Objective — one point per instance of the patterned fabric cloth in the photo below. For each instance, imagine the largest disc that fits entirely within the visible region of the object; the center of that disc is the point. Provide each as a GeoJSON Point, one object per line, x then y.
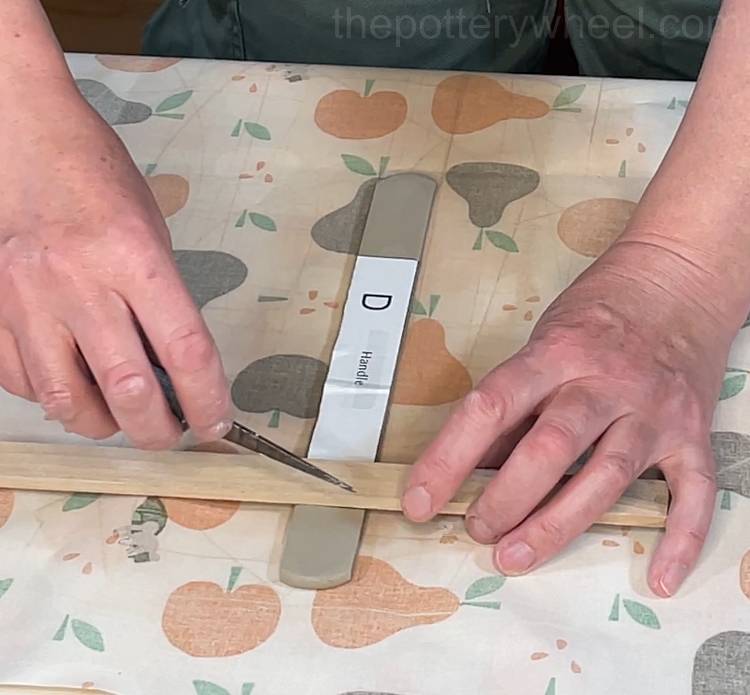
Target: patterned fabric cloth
{"type": "Point", "coordinates": [263, 171]}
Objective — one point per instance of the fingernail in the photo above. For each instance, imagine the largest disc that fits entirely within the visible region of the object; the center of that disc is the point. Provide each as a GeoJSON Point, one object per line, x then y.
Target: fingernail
{"type": "Point", "coordinates": [218, 431]}
{"type": "Point", "coordinates": [417, 503]}
{"type": "Point", "coordinates": [479, 530]}
{"type": "Point", "coordinates": [515, 558]}
{"type": "Point", "coordinates": [673, 578]}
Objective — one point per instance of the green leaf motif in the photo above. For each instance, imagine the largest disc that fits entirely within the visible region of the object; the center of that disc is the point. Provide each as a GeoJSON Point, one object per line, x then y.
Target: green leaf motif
{"type": "Point", "coordinates": [87, 635]}
{"type": "Point", "coordinates": [79, 500]}
{"type": "Point", "coordinates": [175, 116]}
{"type": "Point", "coordinates": [726, 501]}
{"type": "Point", "coordinates": [275, 419]}
{"type": "Point", "coordinates": [623, 169]}
{"type": "Point", "coordinates": [502, 241]}
{"type": "Point", "coordinates": [241, 219]}
{"type": "Point", "coordinates": [174, 102]}
{"type": "Point", "coordinates": [258, 131]}
{"type": "Point", "coordinates": [383, 166]}
{"type": "Point", "coordinates": [208, 688]}
{"type": "Point", "coordinates": [551, 687]}
{"type": "Point", "coordinates": [478, 241]}
{"type": "Point", "coordinates": [271, 298]}
{"type": "Point", "coordinates": [60, 634]}
{"type": "Point", "coordinates": [4, 586]}
{"type": "Point", "coordinates": [237, 129]}
{"type": "Point", "coordinates": [643, 615]}
{"type": "Point", "coordinates": [495, 605]}
{"type": "Point", "coordinates": [484, 586]}
{"type": "Point", "coordinates": [151, 510]}
{"type": "Point", "coordinates": [434, 301]}
{"type": "Point", "coordinates": [614, 613]}
{"type": "Point", "coordinates": [263, 221]}
{"type": "Point", "coordinates": [369, 84]}
{"type": "Point", "coordinates": [358, 165]}
{"type": "Point", "coordinates": [418, 308]}
{"type": "Point", "coordinates": [732, 386]}
{"type": "Point", "coordinates": [672, 104]}
{"type": "Point", "coordinates": [247, 688]}
{"type": "Point", "coordinates": [569, 95]}
{"type": "Point", "coordinates": [571, 109]}
{"type": "Point", "coordinates": [234, 575]}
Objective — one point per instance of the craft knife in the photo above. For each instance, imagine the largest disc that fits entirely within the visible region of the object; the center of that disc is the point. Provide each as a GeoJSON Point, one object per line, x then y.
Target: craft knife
{"type": "Point", "coordinates": [249, 439]}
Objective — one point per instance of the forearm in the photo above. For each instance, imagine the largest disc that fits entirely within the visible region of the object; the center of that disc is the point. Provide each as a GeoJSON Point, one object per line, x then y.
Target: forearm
{"type": "Point", "coordinates": [698, 204]}
{"type": "Point", "coordinates": [30, 56]}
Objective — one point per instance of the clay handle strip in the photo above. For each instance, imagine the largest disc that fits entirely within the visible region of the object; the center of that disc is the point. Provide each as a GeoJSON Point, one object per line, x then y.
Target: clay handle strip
{"type": "Point", "coordinates": [253, 478]}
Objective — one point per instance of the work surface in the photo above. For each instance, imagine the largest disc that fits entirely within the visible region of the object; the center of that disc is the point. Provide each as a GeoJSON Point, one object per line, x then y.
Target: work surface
{"type": "Point", "coordinates": [142, 596]}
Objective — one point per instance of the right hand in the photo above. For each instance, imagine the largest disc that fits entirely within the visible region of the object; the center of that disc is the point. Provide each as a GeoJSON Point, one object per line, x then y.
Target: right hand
{"type": "Point", "coordinates": [84, 255]}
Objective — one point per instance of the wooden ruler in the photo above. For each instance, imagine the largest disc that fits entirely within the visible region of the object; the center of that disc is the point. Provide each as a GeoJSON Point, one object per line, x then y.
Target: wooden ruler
{"type": "Point", "coordinates": [254, 478]}
{"type": "Point", "coordinates": [35, 690]}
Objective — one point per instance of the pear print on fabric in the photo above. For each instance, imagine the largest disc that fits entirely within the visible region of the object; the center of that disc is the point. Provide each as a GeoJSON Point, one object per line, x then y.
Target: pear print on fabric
{"type": "Point", "coordinates": [210, 274]}
{"type": "Point", "coordinates": [341, 231]}
{"type": "Point", "coordinates": [732, 454]}
{"type": "Point", "coordinates": [464, 104]}
{"type": "Point", "coordinates": [379, 602]}
{"type": "Point", "coordinates": [428, 374]}
{"type": "Point", "coordinates": [722, 665]}
{"type": "Point", "coordinates": [117, 111]}
{"type": "Point", "coordinates": [291, 384]}
{"type": "Point", "coordinates": [488, 188]}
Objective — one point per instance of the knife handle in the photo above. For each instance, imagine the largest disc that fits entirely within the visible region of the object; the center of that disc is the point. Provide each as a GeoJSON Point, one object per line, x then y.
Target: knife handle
{"type": "Point", "coordinates": [167, 388]}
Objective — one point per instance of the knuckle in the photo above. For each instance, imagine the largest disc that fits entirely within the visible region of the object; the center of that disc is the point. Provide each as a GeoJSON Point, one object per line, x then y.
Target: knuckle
{"type": "Point", "coordinates": [127, 391]}
{"type": "Point", "coordinates": [56, 400]}
{"type": "Point", "coordinates": [706, 479]}
{"type": "Point", "coordinates": [696, 535]}
{"type": "Point", "coordinates": [552, 530]}
{"type": "Point", "coordinates": [619, 467]}
{"type": "Point", "coordinates": [556, 439]}
{"type": "Point", "coordinates": [486, 405]}
{"type": "Point", "coordinates": [191, 349]}
{"type": "Point", "coordinates": [136, 229]}
{"type": "Point", "coordinates": [693, 536]}
{"type": "Point", "coordinates": [440, 466]}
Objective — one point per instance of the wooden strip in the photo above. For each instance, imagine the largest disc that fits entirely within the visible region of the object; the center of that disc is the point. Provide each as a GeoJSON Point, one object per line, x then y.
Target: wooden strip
{"type": "Point", "coordinates": [40, 690]}
{"type": "Point", "coordinates": [254, 478]}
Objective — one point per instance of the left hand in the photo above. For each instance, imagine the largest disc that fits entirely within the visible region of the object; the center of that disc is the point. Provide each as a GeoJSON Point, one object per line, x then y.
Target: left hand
{"type": "Point", "coordinates": [630, 358]}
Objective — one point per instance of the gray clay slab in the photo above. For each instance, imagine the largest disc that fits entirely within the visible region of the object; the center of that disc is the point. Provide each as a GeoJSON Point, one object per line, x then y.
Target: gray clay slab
{"type": "Point", "coordinates": [321, 546]}
{"type": "Point", "coordinates": [399, 216]}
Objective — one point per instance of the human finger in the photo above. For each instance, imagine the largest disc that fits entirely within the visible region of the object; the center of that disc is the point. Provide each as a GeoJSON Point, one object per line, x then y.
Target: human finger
{"type": "Point", "coordinates": [616, 461]}
{"type": "Point", "coordinates": [570, 422]}
{"type": "Point", "coordinates": [692, 482]}
{"type": "Point", "coordinates": [60, 382]}
{"type": "Point", "coordinates": [501, 402]}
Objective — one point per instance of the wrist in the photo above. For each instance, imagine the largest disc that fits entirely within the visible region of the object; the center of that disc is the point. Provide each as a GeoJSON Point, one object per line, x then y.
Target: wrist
{"type": "Point", "coordinates": [666, 282]}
